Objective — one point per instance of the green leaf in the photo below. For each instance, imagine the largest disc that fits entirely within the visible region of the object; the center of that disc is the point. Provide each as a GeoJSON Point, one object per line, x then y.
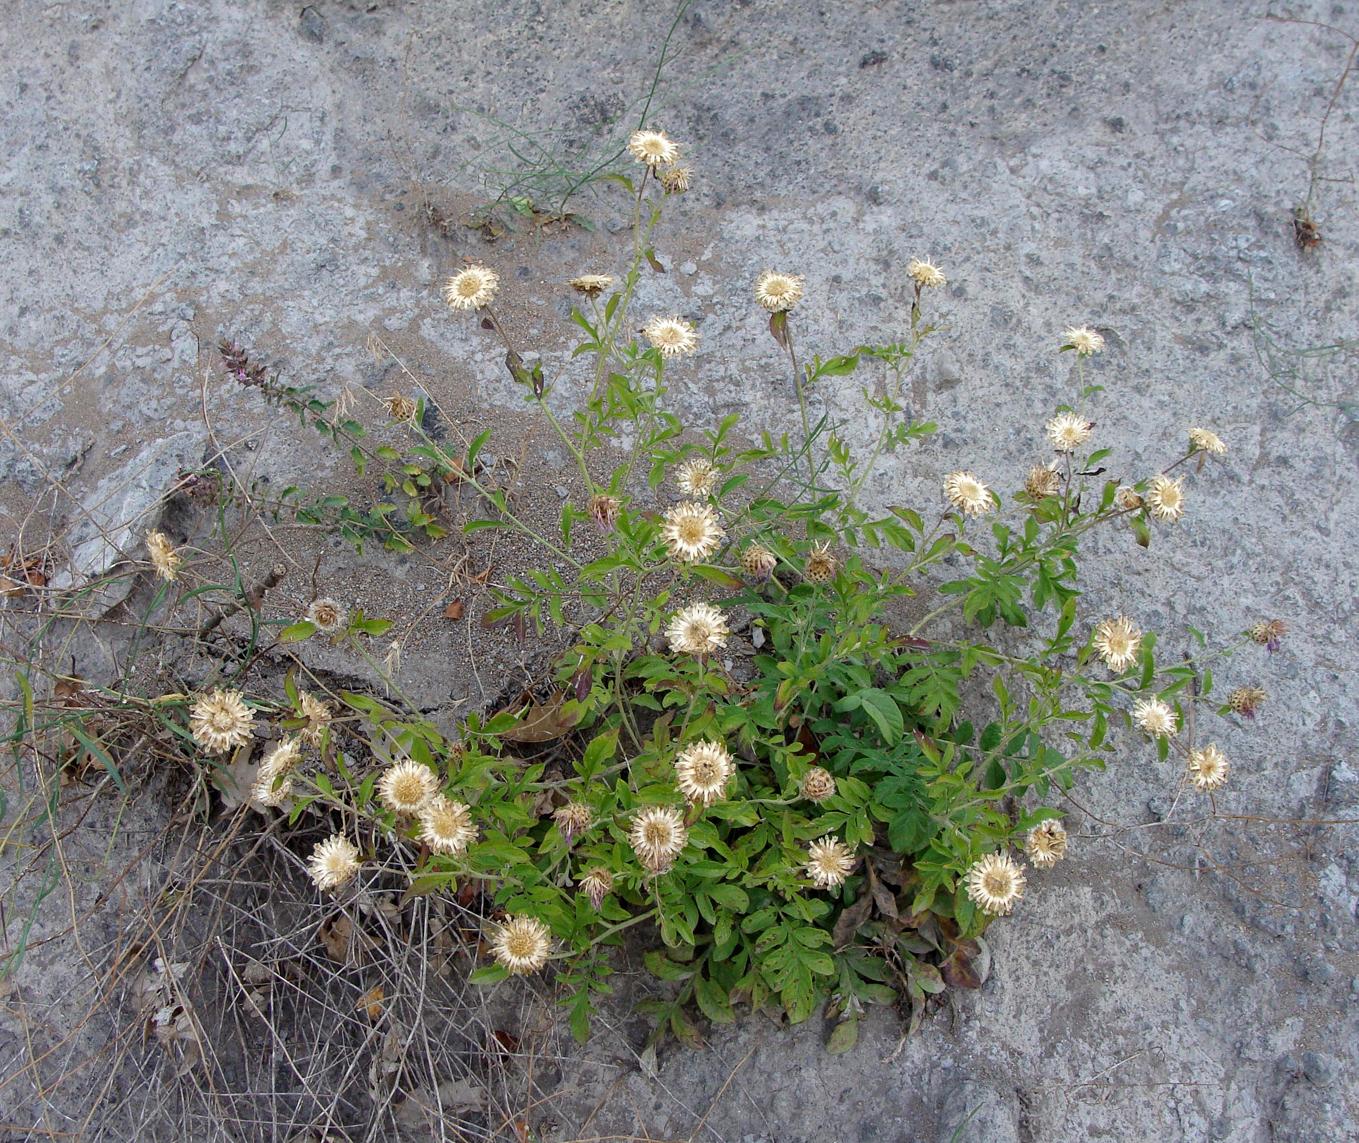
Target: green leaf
{"type": "Point", "coordinates": [713, 1001]}
{"type": "Point", "coordinates": [843, 1036]}
{"type": "Point", "coordinates": [488, 974]}
{"type": "Point", "coordinates": [296, 632]}
{"type": "Point", "coordinates": [883, 710]}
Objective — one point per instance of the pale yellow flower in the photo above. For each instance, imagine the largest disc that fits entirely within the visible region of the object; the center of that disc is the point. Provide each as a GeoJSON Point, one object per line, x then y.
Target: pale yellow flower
{"type": "Point", "coordinates": [703, 771]}
{"type": "Point", "coordinates": [472, 288]}
{"type": "Point", "coordinates": [675, 180]}
{"type": "Point", "coordinates": [220, 721]}
{"type": "Point", "coordinates": [1165, 498]}
{"type": "Point", "coordinates": [1207, 767]}
{"type": "Point", "coordinates": [163, 556]}
{"type": "Point", "coordinates": [778, 292]}
{"type": "Point", "coordinates": [1046, 843]}
{"type": "Point", "coordinates": [272, 785]}
{"type": "Point", "coordinates": [671, 335]}
{"type": "Point", "coordinates": [1117, 641]}
{"type": "Point", "coordinates": [967, 494]}
{"type": "Point", "coordinates": [691, 531]}
{"type": "Point", "coordinates": [653, 148]}
{"type": "Point", "coordinates": [925, 273]}
{"type": "Point", "coordinates": [1068, 431]}
{"type": "Point", "coordinates": [1204, 440]}
{"type": "Point", "coordinates": [1155, 718]}
{"type": "Point", "coordinates": [658, 835]}
{"type": "Point", "coordinates": [405, 787]}
{"type": "Point", "coordinates": [333, 862]}
{"type": "Point", "coordinates": [592, 285]}
{"type": "Point", "coordinates": [522, 944]}
{"type": "Point", "coordinates": [696, 477]}
{"type": "Point", "coordinates": [829, 862]}
{"type": "Point", "coordinates": [1084, 340]}
{"type": "Point", "coordinates": [446, 826]}
{"type": "Point", "coordinates": [318, 715]}
{"type": "Point", "coordinates": [995, 883]}
{"type": "Point", "coordinates": [699, 629]}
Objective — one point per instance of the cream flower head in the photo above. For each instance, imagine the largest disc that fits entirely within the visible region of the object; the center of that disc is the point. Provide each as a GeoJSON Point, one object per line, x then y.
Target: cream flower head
{"type": "Point", "coordinates": [926, 274]}
{"type": "Point", "coordinates": [818, 784]}
{"type": "Point", "coordinates": [592, 285]}
{"type": "Point", "coordinates": [1043, 481]}
{"type": "Point", "coordinates": [1165, 498]}
{"type": "Point", "coordinates": [272, 785]}
{"type": "Point", "coordinates": [327, 616]}
{"type": "Point", "coordinates": [333, 862]}
{"type": "Point", "coordinates": [1084, 340]}
{"type": "Point", "coordinates": [318, 715]}
{"type": "Point", "coordinates": [1204, 440]}
{"type": "Point", "coordinates": [1207, 767]}
{"type": "Point", "coordinates": [778, 292]}
{"type": "Point", "coordinates": [653, 148]}
{"type": "Point", "coordinates": [703, 771]}
{"type": "Point", "coordinates": [698, 629]}
{"type": "Point", "coordinates": [221, 721]}
{"type": "Point", "coordinates": [671, 335]}
{"type": "Point", "coordinates": [1046, 843]}
{"type": "Point", "coordinates": [691, 531]}
{"type": "Point", "coordinates": [472, 288]}
{"type": "Point", "coordinates": [572, 819]}
{"type": "Point", "coordinates": [163, 556]}
{"type": "Point", "coordinates": [1068, 431]}
{"type": "Point", "coordinates": [658, 835]}
{"type": "Point", "coordinates": [696, 476]}
{"type": "Point", "coordinates": [1117, 642]}
{"type": "Point", "coordinates": [406, 786]}
{"type": "Point", "coordinates": [446, 826]}
{"type": "Point", "coordinates": [995, 883]}
{"type": "Point", "coordinates": [967, 494]}
{"type": "Point", "coordinates": [829, 862]}
{"type": "Point", "coordinates": [1155, 718]}
{"type": "Point", "coordinates": [522, 944]}
{"type": "Point", "coordinates": [596, 885]}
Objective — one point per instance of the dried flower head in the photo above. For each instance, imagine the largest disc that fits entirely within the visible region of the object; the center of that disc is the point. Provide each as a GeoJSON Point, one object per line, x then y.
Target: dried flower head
{"type": "Point", "coordinates": [1068, 431]}
{"type": "Point", "coordinates": [1207, 767]}
{"type": "Point", "coordinates": [1084, 340]}
{"type": "Point", "coordinates": [221, 721]}
{"type": "Point", "coordinates": [522, 944]}
{"type": "Point", "coordinates": [1246, 701]}
{"type": "Point", "coordinates": [163, 556]}
{"type": "Point", "coordinates": [1043, 481]}
{"type": "Point", "coordinates": [472, 288]}
{"type": "Point", "coordinates": [676, 179]}
{"type": "Point", "coordinates": [400, 407]}
{"type": "Point", "coordinates": [657, 837]}
{"type": "Point", "coordinates": [1117, 641]}
{"type": "Point", "coordinates": [696, 477]}
{"type": "Point", "coordinates": [592, 285]}
{"type": "Point", "coordinates": [333, 862]}
{"type": "Point", "coordinates": [778, 292]}
{"type": "Point", "coordinates": [1165, 498]}
{"type": "Point", "coordinates": [604, 511]}
{"type": "Point", "coordinates": [1128, 499]}
{"type": "Point", "coordinates": [671, 335]}
{"type": "Point", "coordinates": [703, 771]}
{"type": "Point", "coordinates": [1268, 633]}
{"type": "Point", "coordinates": [1046, 843]}
{"type": "Point", "coordinates": [758, 562]}
{"type": "Point", "coordinates": [967, 494]}
{"type": "Point", "coordinates": [829, 862]}
{"type": "Point", "coordinates": [1155, 718]}
{"type": "Point", "coordinates": [596, 885]}
{"type": "Point", "coordinates": [821, 564]}
{"type": "Point", "coordinates": [691, 531]}
{"type": "Point", "coordinates": [406, 786]}
{"type": "Point", "coordinates": [653, 148]}
{"type": "Point", "coordinates": [1205, 440]}
{"type": "Point", "coordinates": [698, 629]}
{"type": "Point", "coordinates": [818, 784]}
{"type": "Point", "coordinates": [573, 819]}
{"type": "Point", "coordinates": [446, 826]}
{"type": "Point", "coordinates": [327, 616]}
{"type": "Point", "coordinates": [995, 883]}
{"type": "Point", "coordinates": [318, 715]}
{"type": "Point", "coordinates": [272, 785]}
{"type": "Point", "coordinates": [926, 274]}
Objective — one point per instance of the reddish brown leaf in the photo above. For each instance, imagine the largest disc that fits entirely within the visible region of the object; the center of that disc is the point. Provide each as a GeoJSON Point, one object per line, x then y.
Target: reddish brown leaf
{"type": "Point", "coordinates": [542, 721]}
{"type": "Point", "coordinates": [454, 610]}
{"type": "Point", "coordinates": [968, 965]}
{"type": "Point", "coordinates": [778, 328]}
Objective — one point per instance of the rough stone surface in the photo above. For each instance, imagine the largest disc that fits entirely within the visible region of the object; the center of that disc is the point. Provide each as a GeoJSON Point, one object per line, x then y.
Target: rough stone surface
{"type": "Point", "coordinates": [180, 172]}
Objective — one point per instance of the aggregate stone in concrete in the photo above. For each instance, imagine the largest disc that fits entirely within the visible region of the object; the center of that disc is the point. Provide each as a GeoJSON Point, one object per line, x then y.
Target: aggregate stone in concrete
{"type": "Point", "coordinates": [277, 173]}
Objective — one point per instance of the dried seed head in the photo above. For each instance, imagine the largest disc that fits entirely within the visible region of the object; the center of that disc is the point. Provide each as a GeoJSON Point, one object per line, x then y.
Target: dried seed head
{"type": "Point", "coordinates": [604, 511]}
{"type": "Point", "coordinates": [327, 616]}
{"type": "Point", "coordinates": [995, 883]}
{"type": "Point", "coordinates": [1043, 481]}
{"type": "Point", "coordinates": [821, 564]}
{"type": "Point", "coordinates": [163, 556]}
{"type": "Point", "coordinates": [691, 531]}
{"type": "Point", "coordinates": [592, 285]}
{"type": "Point", "coordinates": [220, 721]}
{"type": "Point", "coordinates": [658, 835]}
{"type": "Point", "coordinates": [779, 292]}
{"type": "Point", "coordinates": [596, 885]}
{"type": "Point", "coordinates": [1165, 498]}
{"type": "Point", "coordinates": [699, 629]}
{"type": "Point", "coordinates": [573, 819]}
{"type": "Point", "coordinates": [1046, 843]}
{"type": "Point", "coordinates": [676, 179]}
{"type": "Point", "coordinates": [1246, 701]}
{"type": "Point", "coordinates": [829, 862]}
{"type": "Point", "coordinates": [522, 944]}
{"type": "Point", "coordinates": [967, 494]}
{"type": "Point", "coordinates": [1128, 499]}
{"type": "Point", "coordinates": [318, 715]}
{"type": "Point", "coordinates": [818, 784]}
{"type": "Point", "coordinates": [400, 407]}
{"type": "Point", "coordinates": [1207, 767]}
